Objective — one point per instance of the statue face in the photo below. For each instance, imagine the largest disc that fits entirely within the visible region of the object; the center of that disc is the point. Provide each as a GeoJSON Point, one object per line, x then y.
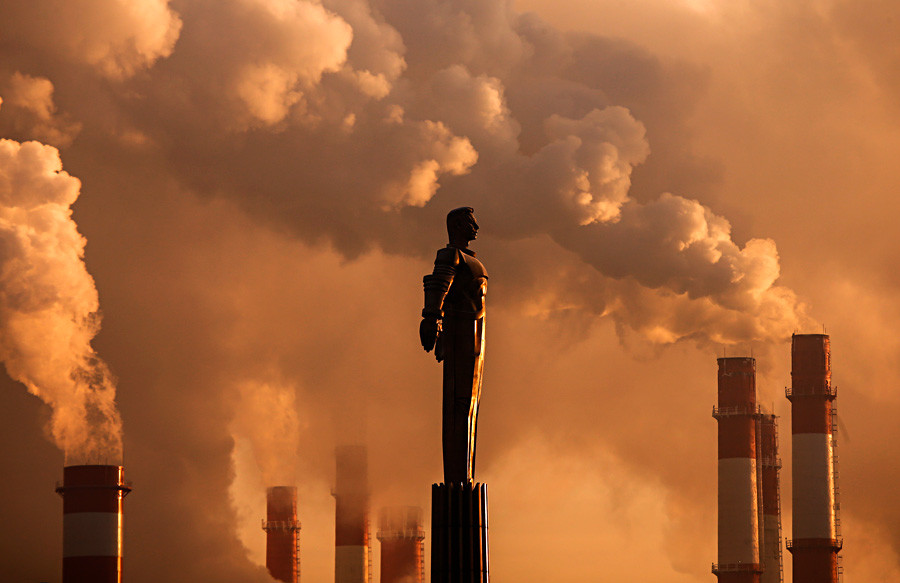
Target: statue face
{"type": "Point", "coordinates": [470, 227]}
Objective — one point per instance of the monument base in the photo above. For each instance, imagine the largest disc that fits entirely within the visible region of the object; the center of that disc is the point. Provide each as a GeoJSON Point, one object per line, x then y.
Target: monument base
{"type": "Point", "coordinates": [459, 533]}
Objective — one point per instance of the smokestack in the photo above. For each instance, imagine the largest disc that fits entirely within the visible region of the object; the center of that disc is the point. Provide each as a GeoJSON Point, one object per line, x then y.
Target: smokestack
{"type": "Point", "coordinates": [402, 539]}
{"type": "Point", "coordinates": [770, 512]}
{"type": "Point", "coordinates": [815, 543]}
{"type": "Point", "coordinates": [737, 414]}
{"type": "Point", "coordinates": [281, 526]}
{"type": "Point", "coordinates": [351, 493]}
{"type": "Point", "coordinates": [93, 498]}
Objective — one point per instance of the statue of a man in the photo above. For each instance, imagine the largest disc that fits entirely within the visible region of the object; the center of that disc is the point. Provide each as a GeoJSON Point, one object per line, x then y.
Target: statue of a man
{"type": "Point", "coordinates": [453, 324]}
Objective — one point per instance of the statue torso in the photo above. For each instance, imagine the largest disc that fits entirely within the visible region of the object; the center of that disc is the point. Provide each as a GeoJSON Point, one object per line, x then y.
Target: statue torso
{"type": "Point", "coordinates": [465, 298]}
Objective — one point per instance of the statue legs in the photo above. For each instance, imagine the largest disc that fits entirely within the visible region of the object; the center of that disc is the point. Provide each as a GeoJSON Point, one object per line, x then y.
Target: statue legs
{"type": "Point", "coordinates": [462, 342]}
{"type": "Point", "coordinates": [459, 514]}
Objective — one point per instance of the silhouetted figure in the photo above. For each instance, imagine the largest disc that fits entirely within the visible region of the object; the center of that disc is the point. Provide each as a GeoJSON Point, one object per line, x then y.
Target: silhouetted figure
{"type": "Point", "coordinates": [453, 325]}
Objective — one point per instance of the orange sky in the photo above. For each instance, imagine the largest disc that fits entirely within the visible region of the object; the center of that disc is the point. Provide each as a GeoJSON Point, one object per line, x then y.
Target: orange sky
{"type": "Point", "coordinates": [263, 184]}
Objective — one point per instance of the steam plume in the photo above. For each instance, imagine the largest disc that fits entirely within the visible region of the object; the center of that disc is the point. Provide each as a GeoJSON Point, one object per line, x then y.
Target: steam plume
{"type": "Point", "coordinates": [49, 305]}
{"type": "Point", "coordinates": [33, 111]}
{"type": "Point", "coordinates": [117, 38]}
{"type": "Point", "coordinates": [507, 115]}
{"type": "Point", "coordinates": [266, 416]}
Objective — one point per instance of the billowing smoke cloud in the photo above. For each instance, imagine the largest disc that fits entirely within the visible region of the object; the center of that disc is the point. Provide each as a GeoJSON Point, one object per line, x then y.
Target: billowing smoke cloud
{"type": "Point", "coordinates": [267, 181]}
{"type": "Point", "coordinates": [345, 122]}
{"type": "Point", "coordinates": [33, 112]}
{"type": "Point", "coordinates": [702, 282]}
{"type": "Point", "coordinates": [115, 37]}
{"type": "Point", "coordinates": [49, 310]}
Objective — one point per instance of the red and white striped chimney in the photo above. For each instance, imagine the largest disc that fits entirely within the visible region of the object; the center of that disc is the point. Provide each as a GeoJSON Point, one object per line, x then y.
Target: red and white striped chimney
{"type": "Point", "coordinates": [815, 543]}
{"type": "Point", "coordinates": [281, 526]}
{"type": "Point", "coordinates": [737, 415]}
{"type": "Point", "coordinates": [402, 544]}
{"type": "Point", "coordinates": [93, 498]}
{"type": "Point", "coordinates": [351, 493]}
{"type": "Point", "coordinates": [770, 514]}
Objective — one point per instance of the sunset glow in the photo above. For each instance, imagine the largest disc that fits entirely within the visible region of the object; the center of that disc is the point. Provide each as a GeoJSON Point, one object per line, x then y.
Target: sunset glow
{"type": "Point", "coordinates": [215, 217]}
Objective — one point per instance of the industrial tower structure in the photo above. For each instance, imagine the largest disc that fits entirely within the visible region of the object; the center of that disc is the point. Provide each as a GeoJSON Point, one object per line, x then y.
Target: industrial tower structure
{"type": "Point", "coordinates": [351, 493]}
{"type": "Point", "coordinates": [282, 539]}
{"type": "Point", "coordinates": [737, 414]}
{"type": "Point", "coordinates": [770, 495]}
{"type": "Point", "coordinates": [816, 541]}
{"type": "Point", "coordinates": [402, 539]}
{"type": "Point", "coordinates": [93, 497]}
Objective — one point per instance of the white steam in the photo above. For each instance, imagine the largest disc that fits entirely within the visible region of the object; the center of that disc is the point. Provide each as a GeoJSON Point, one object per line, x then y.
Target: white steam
{"type": "Point", "coordinates": [266, 417]}
{"type": "Point", "coordinates": [49, 305]}
{"type": "Point", "coordinates": [359, 123]}
{"type": "Point", "coordinates": [692, 277]}
{"type": "Point", "coordinates": [30, 110]}
{"type": "Point", "coordinates": [117, 37]}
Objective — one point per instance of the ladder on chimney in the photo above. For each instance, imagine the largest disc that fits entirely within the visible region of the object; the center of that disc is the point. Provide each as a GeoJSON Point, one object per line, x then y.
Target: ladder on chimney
{"type": "Point", "coordinates": [368, 551]}
{"type": "Point", "coordinates": [837, 490]}
{"type": "Point", "coordinates": [777, 462]}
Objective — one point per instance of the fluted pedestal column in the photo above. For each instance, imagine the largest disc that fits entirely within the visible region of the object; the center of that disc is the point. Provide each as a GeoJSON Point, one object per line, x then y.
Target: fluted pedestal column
{"type": "Point", "coordinates": [459, 533]}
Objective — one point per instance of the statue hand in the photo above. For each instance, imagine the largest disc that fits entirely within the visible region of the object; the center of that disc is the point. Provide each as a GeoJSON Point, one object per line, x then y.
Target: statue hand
{"type": "Point", "coordinates": [428, 331]}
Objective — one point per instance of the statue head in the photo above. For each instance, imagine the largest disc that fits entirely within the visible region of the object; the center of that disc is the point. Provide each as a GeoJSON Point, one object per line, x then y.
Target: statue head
{"type": "Point", "coordinates": [462, 226]}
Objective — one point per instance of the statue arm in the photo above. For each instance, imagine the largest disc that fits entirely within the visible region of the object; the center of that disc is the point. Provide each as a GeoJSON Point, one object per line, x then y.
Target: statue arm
{"type": "Point", "coordinates": [436, 286]}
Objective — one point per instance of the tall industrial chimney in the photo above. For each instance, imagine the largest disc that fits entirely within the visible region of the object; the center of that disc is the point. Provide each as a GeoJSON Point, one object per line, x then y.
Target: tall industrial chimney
{"type": "Point", "coordinates": [402, 544]}
{"type": "Point", "coordinates": [281, 526]}
{"type": "Point", "coordinates": [815, 543]}
{"type": "Point", "coordinates": [770, 512]}
{"type": "Point", "coordinates": [351, 493]}
{"type": "Point", "coordinates": [737, 414]}
{"type": "Point", "coordinates": [93, 498]}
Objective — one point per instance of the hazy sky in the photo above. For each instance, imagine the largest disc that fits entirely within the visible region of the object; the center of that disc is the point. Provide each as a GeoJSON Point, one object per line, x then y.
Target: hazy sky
{"type": "Point", "coordinates": [261, 184]}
